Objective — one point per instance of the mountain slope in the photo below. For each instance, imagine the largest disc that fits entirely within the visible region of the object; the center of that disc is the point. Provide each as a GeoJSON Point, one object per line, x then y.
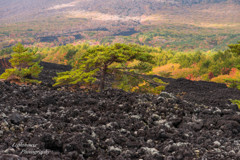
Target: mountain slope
{"type": "Point", "coordinates": [214, 22]}
{"type": "Point", "coordinates": [13, 10]}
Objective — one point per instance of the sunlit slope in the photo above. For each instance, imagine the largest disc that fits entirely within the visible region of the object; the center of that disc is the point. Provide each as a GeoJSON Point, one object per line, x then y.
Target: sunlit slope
{"type": "Point", "coordinates": [15, 10]}
{"type": "Point", "coordinates": [178, 24]}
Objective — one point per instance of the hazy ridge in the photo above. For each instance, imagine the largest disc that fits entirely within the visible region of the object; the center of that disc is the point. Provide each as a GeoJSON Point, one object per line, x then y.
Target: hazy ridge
{"type": "Point", "coordinates": [15, 10]}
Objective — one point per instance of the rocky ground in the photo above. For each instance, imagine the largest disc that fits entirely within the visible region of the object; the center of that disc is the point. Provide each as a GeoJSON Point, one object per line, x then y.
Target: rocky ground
{"type": "Point", "coordinates": [189, 120]}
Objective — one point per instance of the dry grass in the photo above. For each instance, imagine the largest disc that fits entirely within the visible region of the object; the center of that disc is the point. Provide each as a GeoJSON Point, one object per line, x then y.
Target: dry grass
{"type": "Point", "coordinates": [94, 15]}
{"type": "Point", "coordinates": [211, 16]}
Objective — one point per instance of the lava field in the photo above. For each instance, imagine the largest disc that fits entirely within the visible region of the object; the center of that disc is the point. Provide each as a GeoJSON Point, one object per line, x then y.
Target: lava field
{"type": "Point", "coordinates": [189, 120]}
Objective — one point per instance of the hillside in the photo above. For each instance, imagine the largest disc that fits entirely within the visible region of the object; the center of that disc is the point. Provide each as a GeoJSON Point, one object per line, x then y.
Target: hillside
{"type": "Point", "coordinates": [58, 123]}
{"type": "Point", "coordinates": [14, 9]}
{"type": "Point", "coordinates": [216, 22]}
{"type": "Point", "coordinates": [26, 10]}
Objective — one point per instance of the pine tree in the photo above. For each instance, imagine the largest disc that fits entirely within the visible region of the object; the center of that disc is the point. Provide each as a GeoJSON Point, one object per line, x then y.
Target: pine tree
{"type": "Point", "coordinates": [235, 48]}
{"type": "Point", "coordinates": [99, 61]}
{"type": "Point", "coordinates": [25, 65]}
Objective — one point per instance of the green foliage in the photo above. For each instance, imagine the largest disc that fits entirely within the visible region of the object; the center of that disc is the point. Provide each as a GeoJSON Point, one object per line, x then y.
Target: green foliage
{"type": "Point", "coordinates": [146, 87]}
{"type": "Point", "coordinates": [138, 83]}
{"type": "Point", "coordinates": [204, 67]}
{"type": "Point", "coordinates": [237, 102]}
{"type": "Point", "coordinates": [187, 59]}
{"type": "Point", "coordinates": [107, 40]}
{"type": "Point", "coordinates": [25, 65]}
{"type": "Point", "coordinates": [185, 37]}
{"type": "Point", "coordinates": [221, 56]}
{"type": "Point", "coordinates": [235, 48]}
{"type": "Point", "coordinates": [200, 64]}
{"type": "Point", "coordinates": [162, 57]}
{"type": "Point", "coordinates": [19, 48]}
{"type": "Point", "coordinates": [66, 53]}
{"type": "Point", "coordinates": [142, 85]}
{"type": "Point", "coordinates": [70, 54]}
{"type": "Point", "coordinates": [6, 51]}
{"type": "Point", "coordinates": [233, 83]}
{"type": "Point", "coordinates": [99, 61]}
{"type": "Point", "coordinates": [76, 76]}
{"type": "Point", "coordinates": [8, 73]}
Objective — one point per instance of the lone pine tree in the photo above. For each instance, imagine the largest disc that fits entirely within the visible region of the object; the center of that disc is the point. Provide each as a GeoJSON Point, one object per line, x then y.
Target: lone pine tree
{"type": "Point", "coordinates": [99, 61]}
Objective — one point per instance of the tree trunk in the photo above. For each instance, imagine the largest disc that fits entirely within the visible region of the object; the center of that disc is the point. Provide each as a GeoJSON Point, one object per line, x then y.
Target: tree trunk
{"type": "Point", "coordinates": [102, 83]}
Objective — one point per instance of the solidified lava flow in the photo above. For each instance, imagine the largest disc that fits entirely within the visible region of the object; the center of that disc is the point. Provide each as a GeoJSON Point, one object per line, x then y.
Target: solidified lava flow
{"type": "Point", "coordinates": [189, 120]}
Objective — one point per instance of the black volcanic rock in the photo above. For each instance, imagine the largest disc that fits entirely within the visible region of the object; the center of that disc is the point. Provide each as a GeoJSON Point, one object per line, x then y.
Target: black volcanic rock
{"type": "Point", "coordinates": [117, 125]}
{"type": "Point", "coordinates": [15, 118]}
{"type": "Point", "coordinates": [114, 124]}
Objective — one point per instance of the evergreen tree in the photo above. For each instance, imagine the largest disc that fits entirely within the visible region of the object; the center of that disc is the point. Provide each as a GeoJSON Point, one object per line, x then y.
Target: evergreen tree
{"type": "Point", "coordinates": [25, 65]}
{"type": "Point", "coordinates": [99, 61]}
{"type": "Point", "coordinates": [235, 48]}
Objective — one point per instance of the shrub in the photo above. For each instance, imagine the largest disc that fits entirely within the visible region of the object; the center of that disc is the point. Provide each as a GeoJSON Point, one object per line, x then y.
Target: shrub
{"type": "Point", "coordinates": [140, 84]}
{"type": "Point", "coordinates": [233, 80]}
{"type": "Point", "coordinates": [210, 75]}
{"type": "Point", "coordinates": [233, 83]}
{"type": "Point", "coordinates": [148, 87]}
{"type": "Point", "coordinates": [237, 102]}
